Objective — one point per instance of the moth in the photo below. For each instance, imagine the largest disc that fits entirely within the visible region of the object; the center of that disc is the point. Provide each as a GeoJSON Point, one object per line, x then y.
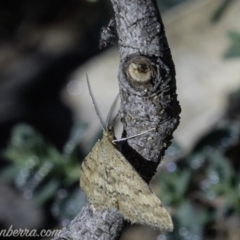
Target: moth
{"type": "Point", "coordinates": [109, 181]}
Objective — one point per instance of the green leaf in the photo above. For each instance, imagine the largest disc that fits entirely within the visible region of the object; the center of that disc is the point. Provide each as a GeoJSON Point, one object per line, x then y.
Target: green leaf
{"type": "Point", "coordinates": [183, 181]}
{"type": "Point", "coordinates": [234, 48]}
{"type": "Point", "coordinates": [190, 218]}
{"type": "Point", "coordinates": [47, 191]}
{"type": "Point", "coordinates": [76, 134]}
{"type": "Point", "coordinates": [221, 10]}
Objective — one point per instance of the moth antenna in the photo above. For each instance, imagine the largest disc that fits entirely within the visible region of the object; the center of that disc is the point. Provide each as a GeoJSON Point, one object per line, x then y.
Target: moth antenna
{"type": "Point", "coordinates": [110, 113]}
{"type": "Point", "coordinates": [126, 138]}
{"type": "Point", "coordinates": [114, 119]}
{"type": "Point", "coordinates": [94, 103]}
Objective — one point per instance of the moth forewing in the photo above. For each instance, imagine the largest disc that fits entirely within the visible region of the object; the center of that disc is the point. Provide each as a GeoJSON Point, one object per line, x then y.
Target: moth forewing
{"type": "Point", "coordinates": [109, 181]}
{"type": "Point", "coordinates": [138, 203]}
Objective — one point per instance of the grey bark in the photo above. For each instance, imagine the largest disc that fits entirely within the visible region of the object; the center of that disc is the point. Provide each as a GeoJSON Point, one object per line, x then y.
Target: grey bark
{"type": "Point", "coordinates": [144, 105]}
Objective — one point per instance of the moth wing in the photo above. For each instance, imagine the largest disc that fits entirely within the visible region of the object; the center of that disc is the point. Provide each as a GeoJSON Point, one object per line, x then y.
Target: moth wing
{"type": "Point", "coordinates": [136, 201]}
{"type": "Point", "coordinates": [109, 181]}
{"type": "Point", "coordinates": [95, 180]}
{"type": "Point", "coordinates": [91, 181]}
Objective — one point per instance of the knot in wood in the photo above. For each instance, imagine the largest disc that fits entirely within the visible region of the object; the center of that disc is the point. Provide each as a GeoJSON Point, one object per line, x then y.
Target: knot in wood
{"type": "Point", "coordinates": [139, 71]}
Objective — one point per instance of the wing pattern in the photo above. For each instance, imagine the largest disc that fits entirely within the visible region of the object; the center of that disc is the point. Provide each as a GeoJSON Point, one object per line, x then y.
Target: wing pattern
{"type": "Point", "coordinates": [110, 181]}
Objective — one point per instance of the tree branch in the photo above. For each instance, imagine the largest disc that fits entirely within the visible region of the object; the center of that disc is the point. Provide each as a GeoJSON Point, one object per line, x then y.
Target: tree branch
{"type": "Point", "coordinates": [148, 100]}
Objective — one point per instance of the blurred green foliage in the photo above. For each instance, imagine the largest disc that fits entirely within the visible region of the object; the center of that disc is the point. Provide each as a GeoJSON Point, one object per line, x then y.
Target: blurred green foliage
{"type": "Point", "coordinates": [234, 48]}
{"type": "Point", "coordinates": [167, 4]}
{"type": "Point", "coordinates": [41, 172]}
{"type": "Point", "coordinates": [234, 37]}
{"type": "Point", "coordinates": [221, 10]}
{"type": "Point", "coordinates": [202, 189]}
